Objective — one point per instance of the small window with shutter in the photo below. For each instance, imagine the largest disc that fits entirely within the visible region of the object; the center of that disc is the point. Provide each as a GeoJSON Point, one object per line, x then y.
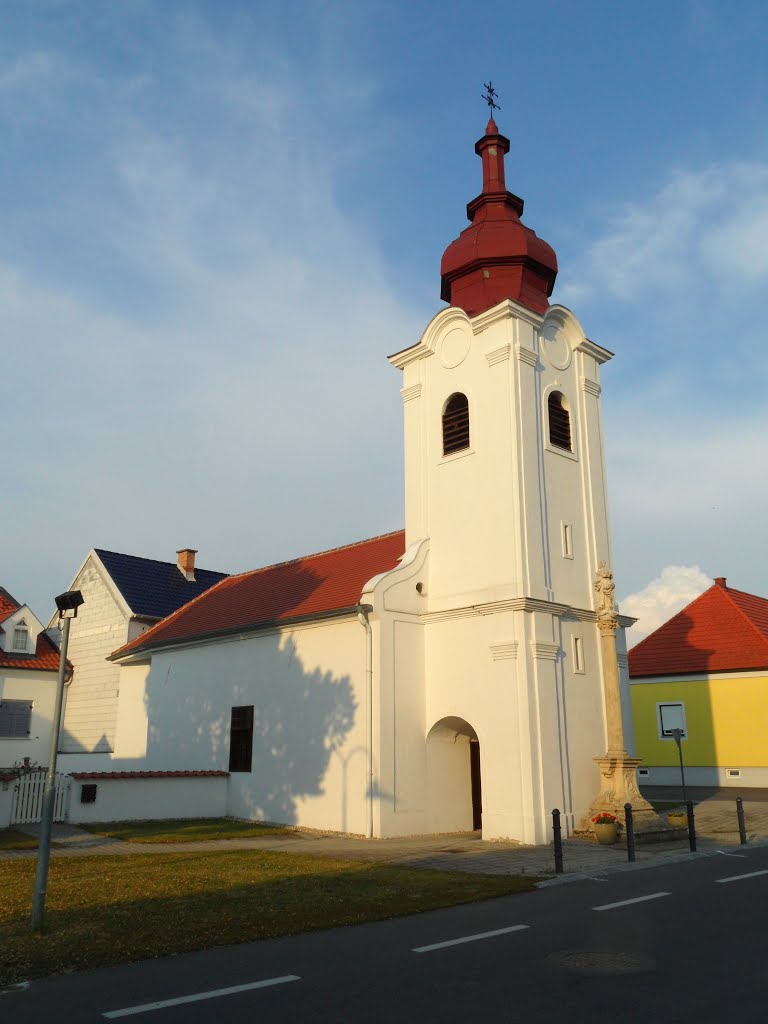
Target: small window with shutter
{"type": "Point", "coordinates": [15, 718]}
{"type": "Point", "coordinates": [455, 424]}
{"type": "Point", "coordinates": [559, 421]}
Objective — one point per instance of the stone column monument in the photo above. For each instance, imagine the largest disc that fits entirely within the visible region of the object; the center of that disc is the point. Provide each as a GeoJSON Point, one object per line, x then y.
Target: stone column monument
{"type": "Point", "coordinates": [618, 771]}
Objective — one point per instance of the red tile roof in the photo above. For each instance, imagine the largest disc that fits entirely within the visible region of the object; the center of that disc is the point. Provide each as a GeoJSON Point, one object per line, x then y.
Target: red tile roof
{"type": "Point", "coordinates": [313, 586]}
{"type": "Point", "coordinates": [46, 656]}
{"type": "Point", "coordinates": [723, 630]}
{"type": "Point", "coordinates": [99, 776]}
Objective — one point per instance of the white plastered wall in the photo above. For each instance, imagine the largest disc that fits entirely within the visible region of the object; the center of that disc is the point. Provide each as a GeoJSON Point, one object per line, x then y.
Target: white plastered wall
{"type": "Point", "coordinates": [40, 688]}
{"type": "Point", "coordinates": [307, 687]}
{"type": "Point", "coordinates": [503, 598]}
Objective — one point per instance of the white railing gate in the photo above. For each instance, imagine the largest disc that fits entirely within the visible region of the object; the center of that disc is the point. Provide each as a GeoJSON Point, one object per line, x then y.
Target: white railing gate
{"type": "Point", "coordinates": [28, 792]}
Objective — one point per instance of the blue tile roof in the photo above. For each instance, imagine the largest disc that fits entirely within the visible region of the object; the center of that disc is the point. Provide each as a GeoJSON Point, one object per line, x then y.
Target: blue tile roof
{"type": "Point", "coordinates": [154, 589]}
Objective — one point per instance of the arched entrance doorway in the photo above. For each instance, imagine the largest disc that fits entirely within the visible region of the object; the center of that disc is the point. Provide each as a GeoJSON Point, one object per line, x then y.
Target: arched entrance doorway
{"type": "Point", "coordinates": [453, 765]}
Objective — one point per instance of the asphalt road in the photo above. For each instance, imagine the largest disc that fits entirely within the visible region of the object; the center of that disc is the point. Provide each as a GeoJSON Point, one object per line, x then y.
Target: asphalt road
{"type": "Point", "coordinates": [686, 942]}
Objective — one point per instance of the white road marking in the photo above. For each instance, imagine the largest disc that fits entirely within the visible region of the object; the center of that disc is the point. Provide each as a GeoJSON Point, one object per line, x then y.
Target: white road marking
{"type": "Point", "coordinates": [213, 994]}
{"type": "Point", "coordinates": [724, 853]}
{"type": "Point", "coordinates": [470, 938]}
{"type": "Point", "coordinates": [738, 878]}
{"type": "Point", "coordinates": [637, 899]}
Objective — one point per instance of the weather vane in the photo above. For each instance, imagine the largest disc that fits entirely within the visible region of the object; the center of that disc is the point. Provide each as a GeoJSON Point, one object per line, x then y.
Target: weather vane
{"type": "Point", "coordinates": [491, 96]}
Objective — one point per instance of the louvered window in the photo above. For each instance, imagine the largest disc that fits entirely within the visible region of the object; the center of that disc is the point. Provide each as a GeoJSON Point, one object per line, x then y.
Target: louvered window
{"type": "Point", "coordinates": [455, 424]}
{"type": "Point", "coordinates": [15, 718]}
{"type": "Point", "coordinates": [559, 422]}
{"type": "Point", "coordinates": [241, 739]}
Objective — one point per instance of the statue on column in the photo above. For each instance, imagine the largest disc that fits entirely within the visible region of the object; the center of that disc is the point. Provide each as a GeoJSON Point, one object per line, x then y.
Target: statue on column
{"type": "Point", "coordinates": [618, 771]}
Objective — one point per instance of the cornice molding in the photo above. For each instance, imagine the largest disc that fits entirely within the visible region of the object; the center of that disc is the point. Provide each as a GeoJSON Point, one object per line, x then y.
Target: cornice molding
{"type": "Point", "coordinates": [513, 604]}
{"type": "Point", "coordinates": [504, 651]}
{"type": "Point", "coordinates": [408, 394]}
{"type": "Point", "coordinates": [505, 310]}
{"type": "Point", "coordinates": [545, 651]}
{"type": "Point", "coordinates": [589, 348]}
{"type": "Point", "coordinates": [499, 355]}
{"type": "Point", "coordinates": [411, 355]}
{"type": "Point", "coordinates": [591, 387]}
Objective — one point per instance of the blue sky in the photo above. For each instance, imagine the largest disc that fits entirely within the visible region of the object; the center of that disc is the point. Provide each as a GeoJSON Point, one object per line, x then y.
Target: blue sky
{"type": "Point", "coordinates": [218, 218]}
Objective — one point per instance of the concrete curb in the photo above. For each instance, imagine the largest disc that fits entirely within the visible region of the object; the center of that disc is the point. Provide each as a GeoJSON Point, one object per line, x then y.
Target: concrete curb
{"type": "Point", "coordinates": [660, 862]}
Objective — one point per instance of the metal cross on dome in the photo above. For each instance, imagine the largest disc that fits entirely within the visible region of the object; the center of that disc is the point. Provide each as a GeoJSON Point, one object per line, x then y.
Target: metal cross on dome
{"type": "Point", "coordinates": [491, 96]}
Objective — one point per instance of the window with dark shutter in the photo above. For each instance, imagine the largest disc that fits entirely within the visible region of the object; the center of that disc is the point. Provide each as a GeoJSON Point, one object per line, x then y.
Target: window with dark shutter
{"type": "Point", "coordinates": [241, 739]}
{"type": "Point", "coordinates": [15, 718]}
{"type": "Point", "coordinates": [455, 424]}
{"type": "Point", "coordinates": [559, 422]}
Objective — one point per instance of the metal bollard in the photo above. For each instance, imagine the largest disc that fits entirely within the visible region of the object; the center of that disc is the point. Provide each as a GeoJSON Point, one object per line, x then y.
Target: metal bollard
{"type": "Point", "coordinates": [558, 842]}
{"type": "Point", "coordinates": [742, 825]}
{"type": "Point", "coordinates": [691, 826]}
{"type": "Point", "coordinates": [630, 832]}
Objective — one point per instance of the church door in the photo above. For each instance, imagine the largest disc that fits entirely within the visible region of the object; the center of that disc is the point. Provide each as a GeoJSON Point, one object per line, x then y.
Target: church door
{"type": "Point", "coordinates": [477, 792]}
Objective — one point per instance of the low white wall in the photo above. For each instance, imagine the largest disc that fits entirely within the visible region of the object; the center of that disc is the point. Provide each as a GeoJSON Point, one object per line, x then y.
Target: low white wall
{"type": "Point", "coordinates": [150, 799]}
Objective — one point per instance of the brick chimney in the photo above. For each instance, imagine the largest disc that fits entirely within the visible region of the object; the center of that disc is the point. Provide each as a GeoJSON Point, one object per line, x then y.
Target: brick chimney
{"type": "Point", "coordinates": [186, 563]}
{"type": "Point", "coordinates": [720, 582]}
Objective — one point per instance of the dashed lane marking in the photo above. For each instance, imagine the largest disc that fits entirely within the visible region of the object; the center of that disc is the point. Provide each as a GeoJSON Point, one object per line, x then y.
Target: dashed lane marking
{"type": "Point", "coordinates": [470, 938]}
{"type": "Point", "coordinates": [637, 899]}
{"type": "Point", "coordinates": [198, 996]}
{"type": "Point", "coordinates": [738, 878]}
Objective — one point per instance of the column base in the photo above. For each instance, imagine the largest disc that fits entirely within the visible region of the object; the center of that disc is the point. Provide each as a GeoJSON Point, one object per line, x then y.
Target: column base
{"type": "Point", "coordinates": [618, 786]}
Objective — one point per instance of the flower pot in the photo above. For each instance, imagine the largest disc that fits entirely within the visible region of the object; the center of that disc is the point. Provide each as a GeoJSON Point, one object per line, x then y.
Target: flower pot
{"type": "Point", "coordinates": [677, 819]}
{"type": "Point", "coordinates": [606, 834]}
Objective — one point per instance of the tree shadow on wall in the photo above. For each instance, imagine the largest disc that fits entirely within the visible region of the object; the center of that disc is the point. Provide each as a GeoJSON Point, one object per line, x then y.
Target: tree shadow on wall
{"type": "Point", "coordinates": [302, 713]}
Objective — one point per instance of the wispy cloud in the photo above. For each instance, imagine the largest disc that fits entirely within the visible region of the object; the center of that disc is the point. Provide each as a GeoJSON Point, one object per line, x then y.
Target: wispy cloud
{"type": "Point", "coordinates": [702, 230]}
{"type": "Point", "coordinates": [674, 588]}
{"type": "Point", "coordinates": [218, 377]}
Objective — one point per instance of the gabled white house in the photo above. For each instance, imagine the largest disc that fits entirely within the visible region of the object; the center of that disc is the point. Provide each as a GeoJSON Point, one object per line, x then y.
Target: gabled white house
{"type": "Point", "coordinates": [124, 595]}
{"type": "Point", "coordinates": [29, 663]}
{"type": "Point", "coordinates": [449, 677]}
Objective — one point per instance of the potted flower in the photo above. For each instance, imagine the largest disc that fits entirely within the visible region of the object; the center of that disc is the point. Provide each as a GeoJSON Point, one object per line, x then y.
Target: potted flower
{"type": "Point", "coordinates": [677, 819]}
{"type": "Point", "coordinates": [606, 828]}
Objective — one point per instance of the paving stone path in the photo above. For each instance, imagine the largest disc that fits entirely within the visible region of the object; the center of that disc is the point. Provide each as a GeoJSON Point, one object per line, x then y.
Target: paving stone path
{"type": "Point", "coordinates": [716, 825]}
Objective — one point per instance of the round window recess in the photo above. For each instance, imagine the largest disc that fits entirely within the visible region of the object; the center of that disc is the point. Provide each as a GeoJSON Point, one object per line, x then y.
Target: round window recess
{"type": "Point", "coordinates": [454, 348]}
{"type": "Point", "coordinates": [555, 347]}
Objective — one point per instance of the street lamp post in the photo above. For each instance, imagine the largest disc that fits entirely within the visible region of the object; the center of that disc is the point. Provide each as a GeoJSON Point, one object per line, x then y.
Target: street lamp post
{"type": "Point", "coordinates": [678, 735]}
{"type": "Point", "coordinates": [67, 605]}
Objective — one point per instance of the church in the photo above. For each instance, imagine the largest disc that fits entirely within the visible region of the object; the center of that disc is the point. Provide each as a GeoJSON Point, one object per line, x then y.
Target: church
{"type": "Point", "coordinates": [451, 676]}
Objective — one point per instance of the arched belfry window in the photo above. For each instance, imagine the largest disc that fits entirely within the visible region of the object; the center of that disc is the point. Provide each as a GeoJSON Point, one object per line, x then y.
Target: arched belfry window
{"type": "Point", "coordinates": [455, 424]}
{"type": "Point", "coordinates": [559, 421]}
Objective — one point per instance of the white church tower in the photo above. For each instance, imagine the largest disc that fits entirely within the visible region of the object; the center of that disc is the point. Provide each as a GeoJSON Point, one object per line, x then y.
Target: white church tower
{"type": "Point", "coordinates": [506, 499]}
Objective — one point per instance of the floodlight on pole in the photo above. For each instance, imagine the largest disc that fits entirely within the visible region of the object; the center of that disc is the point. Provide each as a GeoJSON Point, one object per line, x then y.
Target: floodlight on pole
{"type": "Point", "coordinates": [67, 605]}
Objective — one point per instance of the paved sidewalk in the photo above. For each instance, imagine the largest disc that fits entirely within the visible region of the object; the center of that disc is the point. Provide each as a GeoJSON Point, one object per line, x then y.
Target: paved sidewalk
{"type": "Point", "coordinates": [715, 822]}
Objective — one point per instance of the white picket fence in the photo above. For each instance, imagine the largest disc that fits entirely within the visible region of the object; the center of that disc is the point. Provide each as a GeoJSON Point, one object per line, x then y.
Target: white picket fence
{"type": "Point", "coordinates": [28, 793]}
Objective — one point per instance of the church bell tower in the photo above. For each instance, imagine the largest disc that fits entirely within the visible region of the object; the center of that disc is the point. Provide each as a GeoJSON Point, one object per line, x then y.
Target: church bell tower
{"type": "Point", "coordinates": [505, 481]}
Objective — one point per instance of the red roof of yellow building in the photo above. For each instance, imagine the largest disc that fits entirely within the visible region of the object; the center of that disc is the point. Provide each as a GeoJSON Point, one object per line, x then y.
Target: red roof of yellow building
{"type": "Point", "coordinates": [722, 630]}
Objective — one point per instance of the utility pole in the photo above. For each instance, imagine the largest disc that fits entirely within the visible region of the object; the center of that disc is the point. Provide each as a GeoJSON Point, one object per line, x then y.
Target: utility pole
{"type": "Point", "coordinates": [67, 605]}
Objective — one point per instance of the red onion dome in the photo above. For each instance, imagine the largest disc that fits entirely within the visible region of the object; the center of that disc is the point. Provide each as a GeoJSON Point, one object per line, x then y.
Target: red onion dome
{"type": "Point", "coordinates": [497, 257]}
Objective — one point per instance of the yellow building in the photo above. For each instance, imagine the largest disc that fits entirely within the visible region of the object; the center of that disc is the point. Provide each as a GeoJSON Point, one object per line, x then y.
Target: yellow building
{"type": "Point", "coordinates": [704, 671]}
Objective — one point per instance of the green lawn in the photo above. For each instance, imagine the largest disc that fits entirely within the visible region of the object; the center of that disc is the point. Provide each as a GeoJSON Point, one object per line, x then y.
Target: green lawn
{"type": "Point", "coordinates": [10, 840]}
{"type": "Point", "coordinates": [184, 830]}
{"type": "Point", "coordinates": [107, 910]}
